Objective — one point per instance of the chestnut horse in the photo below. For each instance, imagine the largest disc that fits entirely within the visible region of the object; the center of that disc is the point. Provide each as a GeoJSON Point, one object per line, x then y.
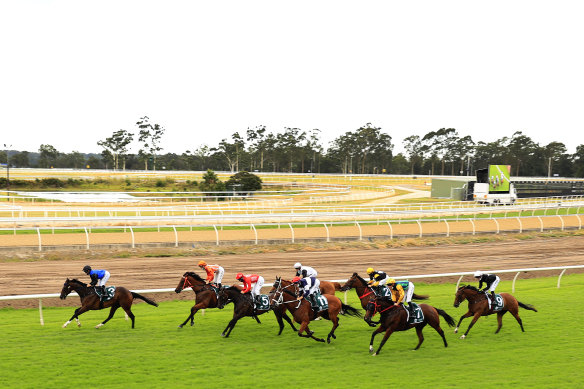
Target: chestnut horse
{"type": "Point", "coordinates": [364, 292]}
{"type": "Point", "coordinates": [205, 296]}
{"type": "Point", "coordinates": [288, 294]}
{"type": "Point", "coordinates": [478, 306]}
{"type": "Point", "coordinates": [243, 306]}
{"type": "Point", "coordinates": [395, 318]}
{"type": "Point", "coordinates": [90, 301]}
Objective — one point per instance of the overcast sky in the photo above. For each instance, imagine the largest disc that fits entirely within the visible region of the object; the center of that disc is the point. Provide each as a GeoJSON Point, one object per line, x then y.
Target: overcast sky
{"type": "Point", "coordinates": [73, 72]}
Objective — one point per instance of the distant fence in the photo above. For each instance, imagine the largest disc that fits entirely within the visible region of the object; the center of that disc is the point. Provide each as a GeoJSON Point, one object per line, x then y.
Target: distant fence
{"type": "Point", "coordinates": [563, 269]}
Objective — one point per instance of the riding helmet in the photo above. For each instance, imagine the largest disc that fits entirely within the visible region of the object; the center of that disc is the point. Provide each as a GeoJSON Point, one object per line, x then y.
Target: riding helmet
{"type": "Point", "coordinates": [86, 269]}
{"type": "Point", "coordinates": [391, 281]}
{"type": "Point", "coordinates": [478, 274]}
{"type": "Point", "coordinates": [370, 270]}
{"type": "Point", "coordinates": [239, 276]}
{"type": "Point", "coordinates": [202, 263]}
{"type": "Point", "coordinates": [296, 279]}
{"type": "Point", "coordinates": [297, 265]}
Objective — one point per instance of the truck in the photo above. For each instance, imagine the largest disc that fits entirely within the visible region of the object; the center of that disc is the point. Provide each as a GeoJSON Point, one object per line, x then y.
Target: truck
{"type": "Point", "coordinates": [494, 186]}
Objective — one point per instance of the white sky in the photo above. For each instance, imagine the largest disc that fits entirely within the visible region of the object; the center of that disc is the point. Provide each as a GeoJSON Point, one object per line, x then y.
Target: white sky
{"type": "Point", "coordinates": [73, 72]}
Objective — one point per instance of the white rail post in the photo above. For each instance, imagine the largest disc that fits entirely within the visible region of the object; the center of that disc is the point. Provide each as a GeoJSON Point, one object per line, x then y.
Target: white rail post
{"type": "Point", "coordinates": [562, 220]}
{"type": "Point", "coordinates": [132, 234]}
{"type": "Point", "coordinates": [216, 235]}
{"type": "Point", "coordinates": [175, 236]}
{"type": "Point", "coordinates": [39, 235]}
{"type": "Point", "coordinates": [420, 226]}
{"type": "Point", "coordinates": [86, 238]}
{"type": "Point", "coordinates": [328, 239]}
{"type": "Point", "coordinates": [560, 277]}
{"type": "Point", "coordinates": [390, 230]}
{"type": "Point", "coordinates": [513, 284]}
{"type": "Point", "coordinates": [255, 232]}
{"type": "Point", "coordinates": [473, 226]}
{"type": "Point", "coordinates": [291, 230]}
{"type": "Point", "coordinates": [458, 282]}
{"type": "Point", "coordinates": [447, 228]}
{"type": "Point", "coordinates": [520, 225]}
{"type": "Point", "coordinates": [41, 311]}
{"type": "Point", "coordinates": [360, 231]}
{"type": "Point", "coordinates": [579, 222]}
{"type": "Point", "coordinates": [497, 223]}
{"type": "Point", "coordinates": [540, 223]}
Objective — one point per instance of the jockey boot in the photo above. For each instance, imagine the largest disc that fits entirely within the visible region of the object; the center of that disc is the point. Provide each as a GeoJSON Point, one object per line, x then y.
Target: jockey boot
{"type": "Point", "coordinates": [315, 310]}
{"type": "Point", "coordinates": [493, 300]}
{"type": "Point", "coordinates": [411, 310]}
{"type": "Point", "coordinates": [103, 293]}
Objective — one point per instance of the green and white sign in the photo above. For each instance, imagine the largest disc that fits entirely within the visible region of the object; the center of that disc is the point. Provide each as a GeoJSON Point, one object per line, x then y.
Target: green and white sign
{"type": "Point", "coordinates": [499, 178]}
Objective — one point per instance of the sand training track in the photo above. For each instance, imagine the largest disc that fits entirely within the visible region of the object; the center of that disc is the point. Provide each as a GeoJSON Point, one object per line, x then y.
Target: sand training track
{"type": "Point", "coordinates": [149, 273]}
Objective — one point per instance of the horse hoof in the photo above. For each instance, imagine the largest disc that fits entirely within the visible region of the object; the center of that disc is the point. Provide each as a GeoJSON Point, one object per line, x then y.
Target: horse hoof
{"type": "Point", "coordinates": [65, 325]}
{"type": "Point", "coordinates": [374, 354]}
{"type": "Point", "coordinates": [192, 324]}
{"type": "Point", "coordinates": [456, 330]}
{"type": "Point", "coordinates": [320, 340]}
{"type": "Point", "coordinates": [99, 325]}
{"type": "Point", "coordinates": [463, 337]}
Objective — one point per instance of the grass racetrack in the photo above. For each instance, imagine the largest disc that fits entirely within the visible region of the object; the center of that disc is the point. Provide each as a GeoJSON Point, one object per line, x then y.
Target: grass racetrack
{"type": "Point", "coordinates": [157, 354]}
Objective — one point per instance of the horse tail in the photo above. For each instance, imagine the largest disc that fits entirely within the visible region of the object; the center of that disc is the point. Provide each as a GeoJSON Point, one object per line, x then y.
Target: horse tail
{"type": "Point", "coordinates": [526, 306]}
{"type": "Point", "coordinates": [449, 319]}
{"type": "Point", "coordinates": [151, 302]}
{"type": "Point", "coordinates": [420, 296]}
{"type": "Point", "coordinates": [349, 310]}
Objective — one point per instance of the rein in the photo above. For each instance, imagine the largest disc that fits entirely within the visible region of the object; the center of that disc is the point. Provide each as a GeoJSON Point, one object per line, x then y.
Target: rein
{"type": "Point", "coordinates": [281, 290]}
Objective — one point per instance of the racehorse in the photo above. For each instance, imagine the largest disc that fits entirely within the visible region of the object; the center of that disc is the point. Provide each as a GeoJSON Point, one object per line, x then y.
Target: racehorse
{"type": "Point", "coordinates": [286, 293]}
{"type": "Point", "coordinates": [90, 301]}
{"type": "Point", "coordinates": [478, 306]}
{"type": "Point", "coordinates": [364, 292]}
{"type": "Point", "coordinates": [243, 306]}
{"type": "Point", "coordinates": [328, 287]}
{"type": "Point", "coordinates": [395, 318]}
{"type": "Point", "coordinates": [205, 296]}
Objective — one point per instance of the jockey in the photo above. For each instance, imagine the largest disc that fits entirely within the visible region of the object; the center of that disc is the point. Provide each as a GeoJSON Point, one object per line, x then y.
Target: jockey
{"type": "Point", "coordinates": [251, 283]}
{"type": "Point", "coordinates": [308, 286]}
{"type": "Point", "coordinates": [405, 291]}
{"type": "Point", "coordinates": [491, 281]}
{"type": "Point", "coordinates": [214, 272]}
{"type": "Point", "coordinates": [304, 271]}
{"type": "Point", "coordinates": [98, 277]}
{"type": "Point", "coordinates": [376, 281]}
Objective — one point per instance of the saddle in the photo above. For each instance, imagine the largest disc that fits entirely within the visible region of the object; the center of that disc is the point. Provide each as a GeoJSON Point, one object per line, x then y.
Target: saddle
{"type": "Point", "coordinates": [318, 302]}
{"type": "Point", "coordinates": [109, 293]}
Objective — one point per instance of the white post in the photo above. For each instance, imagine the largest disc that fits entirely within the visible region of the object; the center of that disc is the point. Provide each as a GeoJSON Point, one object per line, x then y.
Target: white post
{"type": "Point", "coordinates": [216, 235]}
{"type": "Point", "coordinates": [447, 228]}
{"type": "Point", "coordinates": [541, 224]}
{"type": "Point", "coordinates": [327, 233]}
{"type": "Point", "coordinates": [291, 230]}
{"type": "Point", "coordinates": [390, 230]}
{"type": "Point", "coordinates": [256, 233]}
{"type": "Point", "coordinates": [41, 310]}
{"type": "Point", "coordinates": [497, 223]}
{"type": "Point", "coordinates": [420, 226]}
{"type": "Point", "coordinates": [520, 225]}
{"type": "Point", "coordinates": [132, 234]}
{"type": "Point", "coordinates": [562, 220]}
{"type": "Point", "coordinates": [86, 238]}
{"type": "Point", "coordinates": [560, 277]}
{"type": "Point", "coordinates": [39, 235]}
{"type": "Point", "coordinates": [175, 236]}
{"type": "Point", "coordinates": [513, 285]}
{"type": "Point", "coordinates": [360, 231]}
{"type": "Point", "coordinates": [473, 226]}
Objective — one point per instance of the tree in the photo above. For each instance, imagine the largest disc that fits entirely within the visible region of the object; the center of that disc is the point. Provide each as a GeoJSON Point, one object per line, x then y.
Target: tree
{"type": "Point", "coordinates": [149, 136]}
{"type": "Point", "coordinates": [117, 146]}
{"type": "Point", "coordinates": [48, 156]}
{"type": "Point", "coordinates": [212, 183]}
{"type": "Point", "coordinates": [244, 182]}
{"type": "Point", "coordinates": [414, 149]}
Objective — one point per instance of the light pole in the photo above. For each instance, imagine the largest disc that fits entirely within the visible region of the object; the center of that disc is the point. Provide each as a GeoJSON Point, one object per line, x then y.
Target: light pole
{"type": "Point", "coordinates": [7, 166]}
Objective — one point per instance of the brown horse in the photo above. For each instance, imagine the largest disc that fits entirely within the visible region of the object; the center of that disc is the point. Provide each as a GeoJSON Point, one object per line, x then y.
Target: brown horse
{"type": "Point", "coordinates": [364, 292]}
{"type": "Point", "coordinates": [329, 287]}
{"type": "Point", "coordinates": [286, 293]}
{"type": "Point", "coordinates": [478, 306]}
{"type": "Point", "coordinates": [395, 318]}
{"type": "Point", "coordinates": [90, 301]}
{"type": "Point", "coordinates": [205, 296]}
{"type": "Point", "coordinates": [243, 306]}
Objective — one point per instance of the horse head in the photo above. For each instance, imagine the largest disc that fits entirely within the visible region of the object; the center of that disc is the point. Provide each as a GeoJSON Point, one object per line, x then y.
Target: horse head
{"type": "Point", "coordinates": [462, 294]}
{"type": "Point", "coordinates": [73, 285]}
{"type": "Point", "coordinates": [66, 289]}
{"type": "Point", "coordinates": [188, 280]}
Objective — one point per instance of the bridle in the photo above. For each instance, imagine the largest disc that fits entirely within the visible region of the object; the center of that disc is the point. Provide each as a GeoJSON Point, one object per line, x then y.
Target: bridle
{"type": "Point", "coordinates": [280, 293]}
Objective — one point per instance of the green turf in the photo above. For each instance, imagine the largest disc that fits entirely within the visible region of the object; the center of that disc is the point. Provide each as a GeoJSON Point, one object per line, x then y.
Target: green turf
{"type": "Point", "coordinates": [157, 354]}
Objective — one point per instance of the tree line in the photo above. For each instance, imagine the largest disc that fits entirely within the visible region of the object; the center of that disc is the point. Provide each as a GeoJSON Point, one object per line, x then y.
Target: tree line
{"type": "Point", "coordinates": [367, 150]}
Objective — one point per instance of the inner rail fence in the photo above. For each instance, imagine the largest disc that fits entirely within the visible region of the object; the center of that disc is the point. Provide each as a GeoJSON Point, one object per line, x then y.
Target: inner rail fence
{"type": "Point", "coordinates": [132, 236]}
{"type": "Point", "coordinates": [517, 272]}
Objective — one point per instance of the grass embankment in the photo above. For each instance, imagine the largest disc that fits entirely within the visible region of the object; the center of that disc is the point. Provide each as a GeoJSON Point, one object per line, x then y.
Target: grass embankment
{"type": "Point", "coordinates": [157, 354]}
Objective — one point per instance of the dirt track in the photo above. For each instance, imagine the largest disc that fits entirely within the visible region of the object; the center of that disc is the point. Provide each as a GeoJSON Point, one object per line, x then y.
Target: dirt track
{"type": "Point", "coordinates": [149, 273]}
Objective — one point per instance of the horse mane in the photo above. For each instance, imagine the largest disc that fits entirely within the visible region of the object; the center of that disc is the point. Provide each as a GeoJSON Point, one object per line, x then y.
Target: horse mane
{"type": "Point", "coordinates": [80, 283]}
{"type": "Point", "coordinates": [360, 278]}
{"type": "Point", "coordinates": [194, 275]}
{"type": "Point", "coordinates": [471, 287]}
{"type": "Point", "coordinates": [234, 288]}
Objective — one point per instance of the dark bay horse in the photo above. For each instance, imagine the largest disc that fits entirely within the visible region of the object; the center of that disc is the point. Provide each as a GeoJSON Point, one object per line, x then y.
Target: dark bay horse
{"type": "Point", "coordinates": [364, 292]}
{"type": "Point", "coordinates": [205, 296]}
{"type": "Point", "coordinates": [478, 306]}
{"type": "Point", "coordinates": [395, 318]}
{"type": "Point", "coordinates": [286, 293]}
{"type": "Point", "coordinates": [243, 306]}
{"type": "Point", "coordinates": [90, 301]}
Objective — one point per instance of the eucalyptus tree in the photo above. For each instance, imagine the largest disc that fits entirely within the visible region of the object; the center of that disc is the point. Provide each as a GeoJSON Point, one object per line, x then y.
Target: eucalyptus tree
{"type": "Point", "coordinates": [438, 145]}
{"type": "Point", "coordinates": [553, 153]}
{"type": "Point", "coordinates": [117, 145]}
{"type": "Point", "coordinates": [149, 136]}
{"type": "Point", "coordinates": [256, 138]}
{"type": "Point", "coordinates": [415, 151]}
{"type": "Point", "coordinates": [48, 155]}
{"type": "Point", "coordinates": [289, 146]}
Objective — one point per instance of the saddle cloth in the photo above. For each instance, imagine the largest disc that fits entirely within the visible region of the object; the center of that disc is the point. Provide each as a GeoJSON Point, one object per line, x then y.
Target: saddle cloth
{"type": "Point", "coordinates": [262, 302]}
{"type": "Point", "coordinates": [418, 315]}
{"type": "Point", "coordinates": [109, 292]}
{"type": "Point", "coordinates": [498, 304]}
{"type": "Point", "coordinates": [319, 301]}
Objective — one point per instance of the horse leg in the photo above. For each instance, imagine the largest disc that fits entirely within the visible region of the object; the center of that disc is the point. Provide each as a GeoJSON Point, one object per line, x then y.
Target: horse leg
{"type": "Point", "coordinates": [335, 320]}
{"type": "Point", "coordinates": [191, 317]}
{"type": "Point", "coordinates": [516, 316]}
{"type": "Point", "coordinates": [420, 336]}
{"type": "Point", "coordinates": [128, 309]}
{"type": "Point", "coordinates": [113, 310]}
{"type": "Point", "coordinates": [377, 331]}
{"type": "Point", "coordinates": [499, 321]}
{"type": "Point", "coordinates": [468, 314]}
{"type": "Point", "coordinates": [309, 334]}
{"type": "Point", "coordinates": [474, 320]}
{"type": "Point", "coordinates": [388, 333]}
{"type": "Point", "coordinates": [75, 316]}
{"type": "Point", "coordinates": [232, 322]}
